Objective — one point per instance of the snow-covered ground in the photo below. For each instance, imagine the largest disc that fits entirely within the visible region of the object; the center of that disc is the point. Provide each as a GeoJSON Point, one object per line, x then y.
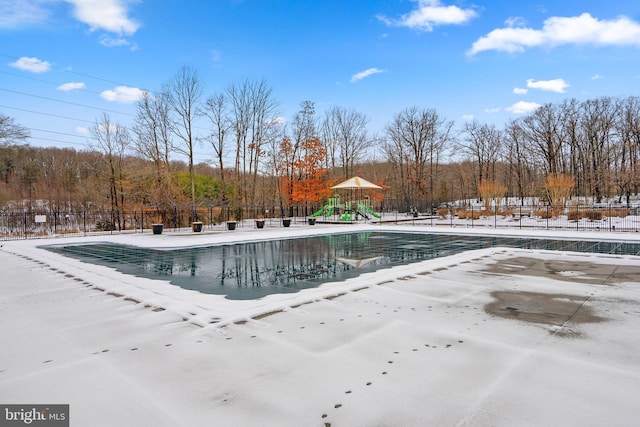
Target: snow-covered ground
{"type": "Point", "coordinates": [490, 337]}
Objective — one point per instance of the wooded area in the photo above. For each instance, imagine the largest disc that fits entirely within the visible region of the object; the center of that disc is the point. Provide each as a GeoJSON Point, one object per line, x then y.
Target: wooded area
{"type": "Point", "coordinates": [421, 160]}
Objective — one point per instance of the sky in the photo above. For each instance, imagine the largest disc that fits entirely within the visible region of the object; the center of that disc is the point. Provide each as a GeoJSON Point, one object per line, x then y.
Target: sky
{"type": "Point", "coordinates": [65, 62]}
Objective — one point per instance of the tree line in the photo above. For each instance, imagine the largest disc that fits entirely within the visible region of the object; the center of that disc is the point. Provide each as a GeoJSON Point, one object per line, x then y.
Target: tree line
{"type": "Point", "coordinates": [256, 159]}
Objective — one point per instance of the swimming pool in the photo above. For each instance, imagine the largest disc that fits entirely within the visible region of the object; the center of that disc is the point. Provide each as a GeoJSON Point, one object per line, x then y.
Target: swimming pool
{"type": "Point", "coordinates": [255, 269]}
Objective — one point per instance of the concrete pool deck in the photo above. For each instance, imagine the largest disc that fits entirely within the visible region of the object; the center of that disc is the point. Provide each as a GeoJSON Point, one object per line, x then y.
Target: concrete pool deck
{"type": "Point", "coordinates": [492, 337]}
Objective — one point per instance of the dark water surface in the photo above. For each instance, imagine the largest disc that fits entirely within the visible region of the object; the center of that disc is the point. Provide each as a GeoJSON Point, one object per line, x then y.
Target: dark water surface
{"type": "Point", "coordinates": [254, 269]}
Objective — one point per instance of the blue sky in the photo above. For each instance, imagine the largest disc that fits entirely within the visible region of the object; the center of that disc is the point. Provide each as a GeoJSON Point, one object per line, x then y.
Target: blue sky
{"type": "Point", "coordinates": [63, 62]}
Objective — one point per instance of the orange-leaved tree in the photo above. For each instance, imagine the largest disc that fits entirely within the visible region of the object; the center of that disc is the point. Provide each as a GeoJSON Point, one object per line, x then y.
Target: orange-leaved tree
{"type": "Point", "coordinates": [491, 192]}
{"type": "Point", "coordinates": [558, 187]}
{"type": "Point", "coordinates": [309, 183]}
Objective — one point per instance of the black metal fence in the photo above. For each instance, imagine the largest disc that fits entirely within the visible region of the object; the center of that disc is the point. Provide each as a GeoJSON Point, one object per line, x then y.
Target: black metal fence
{"type": "Point", "coordinates": [578, 218]}
{"type": "Point", "coordinates": [39, 224]}
{"type": "Point", "coordinates": [15, 225]}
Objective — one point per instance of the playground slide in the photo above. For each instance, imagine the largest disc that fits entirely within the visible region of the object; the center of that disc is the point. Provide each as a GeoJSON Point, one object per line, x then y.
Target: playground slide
{"type": "Point", "coordinates": [327, 210]}
{"type": "Point", "coordinates": [365, 211]}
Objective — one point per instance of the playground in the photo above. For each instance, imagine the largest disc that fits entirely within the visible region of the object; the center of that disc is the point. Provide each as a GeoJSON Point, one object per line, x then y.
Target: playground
{"type": "Point", "coordinates": [356, 207]}
{"type": "Point", "coordinates": [348, 211]}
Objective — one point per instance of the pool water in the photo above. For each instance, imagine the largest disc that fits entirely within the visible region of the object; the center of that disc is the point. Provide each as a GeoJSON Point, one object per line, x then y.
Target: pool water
{"type": "Point", "coordinates": [255, 269]}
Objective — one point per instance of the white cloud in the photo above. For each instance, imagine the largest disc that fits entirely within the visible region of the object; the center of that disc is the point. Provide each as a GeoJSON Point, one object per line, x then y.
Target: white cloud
{"type": "Point", "coordinates": [216, 56]}
{"type": "Point", "coordinates": [492, 110]}
{"type": "Point", "coordinates": [278, 121]}
{"type": "Point", "coordinates": [117, 42]}
{"type": "Point", "coordinates": [556, 31]}
{"type": "Point", "coordinates": [66, 87]}
{"type": "Point", "coordinates": [597, 77]}
{"type": "Point", "coordinates": [16, 14]}
{"type": "Point", "coordinates": [123, 94]}
{"type": "Point", "coordinates": [366, 73]}
{"type": "Point", "coordinates": [515, 21]}
{"type": "Point", "coordinates": [523, 107]}
{"type": "Point", "coordinates": [520, 90]}
{"type": "Point", "coordinates": [429, 14]}
{"type": "Point", "coordinates": [107, 15]}
{"type": "Point", "coordinates": [33, 65]}
{"type": "Point", "coordinates": [556, 85]}
{"type": "Point", "coordinates": [82, 130]}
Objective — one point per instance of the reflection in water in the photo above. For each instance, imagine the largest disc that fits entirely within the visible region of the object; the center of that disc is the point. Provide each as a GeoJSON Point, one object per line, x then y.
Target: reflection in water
{"type": "Point", "coordinates": [255, 269]}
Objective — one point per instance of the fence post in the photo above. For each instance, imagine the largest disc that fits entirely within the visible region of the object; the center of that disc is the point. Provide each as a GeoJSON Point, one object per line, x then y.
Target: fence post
{"type": "Point", "coordinates": [547, 215]}
{"type": "Point", "coordinates": [520, 217]}
{"type": "Point", "coordinates": [472, 214]}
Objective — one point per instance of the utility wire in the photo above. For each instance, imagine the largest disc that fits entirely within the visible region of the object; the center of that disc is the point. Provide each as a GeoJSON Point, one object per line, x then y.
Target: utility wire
{"type": "Point", "coordinates": [62, 133]}
{"type": "Point", "coordinates": [46, 81]}
{"type": "Point", "coordinates": [74, 72]}
{"type": "Point", "coordinates": [46, 114]}
{"type": "Point", "coordinates": [65, 102]}
{"type": "Point", "coordinates": [57, 140]}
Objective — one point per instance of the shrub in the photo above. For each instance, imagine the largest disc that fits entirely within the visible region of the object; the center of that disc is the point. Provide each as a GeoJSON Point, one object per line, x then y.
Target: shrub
{"type": "Point", "coordinates": [573, 215]}
{"type": "Point", "coordinates": [619, 212]}
{"type": "Point", "coordinates": [508, 211]}
{"type": "Point", "coordinates": [545, 213]}
{"type": "Point", "coordinates": [443, 212]}
{"type": "Point", "coordinates": [593, 214]}
{"type": "Point", "coordinates": [105, 226]}
{"type": "Point", "coordinates": [472, 214]}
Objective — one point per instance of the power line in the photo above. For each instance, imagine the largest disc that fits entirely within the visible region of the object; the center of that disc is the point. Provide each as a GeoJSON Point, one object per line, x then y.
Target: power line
{"type": "Point", "coordinates": [45, 81]}
{"type": "Point", "coordinates": [74, 72]}
{"type": "Point", "coordinates": [68, 102]}
{"type": "Point", "coordinates": [65, 102]}
{"type": "Point", "coordinates": [56, 140]}
{"type": "Point", "coordinates": [46, 114]}
{"type": "Point", "coordinates": [62, 133]}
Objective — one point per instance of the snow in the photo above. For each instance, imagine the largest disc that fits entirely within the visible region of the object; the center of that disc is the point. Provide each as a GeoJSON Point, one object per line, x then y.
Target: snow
{"type": "Point", "coordinates": [409, 345]}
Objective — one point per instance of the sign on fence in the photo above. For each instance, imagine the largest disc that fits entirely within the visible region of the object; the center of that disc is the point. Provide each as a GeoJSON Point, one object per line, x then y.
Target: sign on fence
{"type": "Point", "coordinates": [41, 219]}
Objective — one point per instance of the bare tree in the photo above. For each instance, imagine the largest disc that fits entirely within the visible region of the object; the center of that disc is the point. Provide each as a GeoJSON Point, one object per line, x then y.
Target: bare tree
{"type": "Point", "coordinates": [627, 175]}
{"type": "Point", "coordinates": [253, 109]}
{"type": "Point", "coordinates": [183, 93]}
{"type": "Point", "coordinates": [347, 130]}
{"type": "Point", "coordinates": [598, 127]}
{"type": "Point", "coordinates": [113, 141]}
{"type": "Point", "coordinates": [303, 128]}
{"type": "Point", "coordinates": [216, 110]}
{"type": "Point", "coordinates": [153, 130]}
{"type": "Point", "coordinates": [544, 132]}
{"type": "Point", "coordinates": [571, 150]}
{"type": "Point", "coordinates": [416, 141]}
{"type": "Point", "coordinates": [483, 144]}
{"type": "Point", "coordinates": [10, 132]}
{"type": "Point", "coordinates": [275, 163]}
{"type": "Point", "coordinates": [519, 172]}
{"type": "Point", "coordinates": [264, 116]}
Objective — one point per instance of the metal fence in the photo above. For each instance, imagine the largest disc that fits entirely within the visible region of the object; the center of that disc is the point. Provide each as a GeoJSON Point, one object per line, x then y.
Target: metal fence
{"type": "Point", "coordinates": [33, 225]}
{"type": "Point", "coordinates": [15, 225]}
{"type": "Point", "coordinates": [578, 218]}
